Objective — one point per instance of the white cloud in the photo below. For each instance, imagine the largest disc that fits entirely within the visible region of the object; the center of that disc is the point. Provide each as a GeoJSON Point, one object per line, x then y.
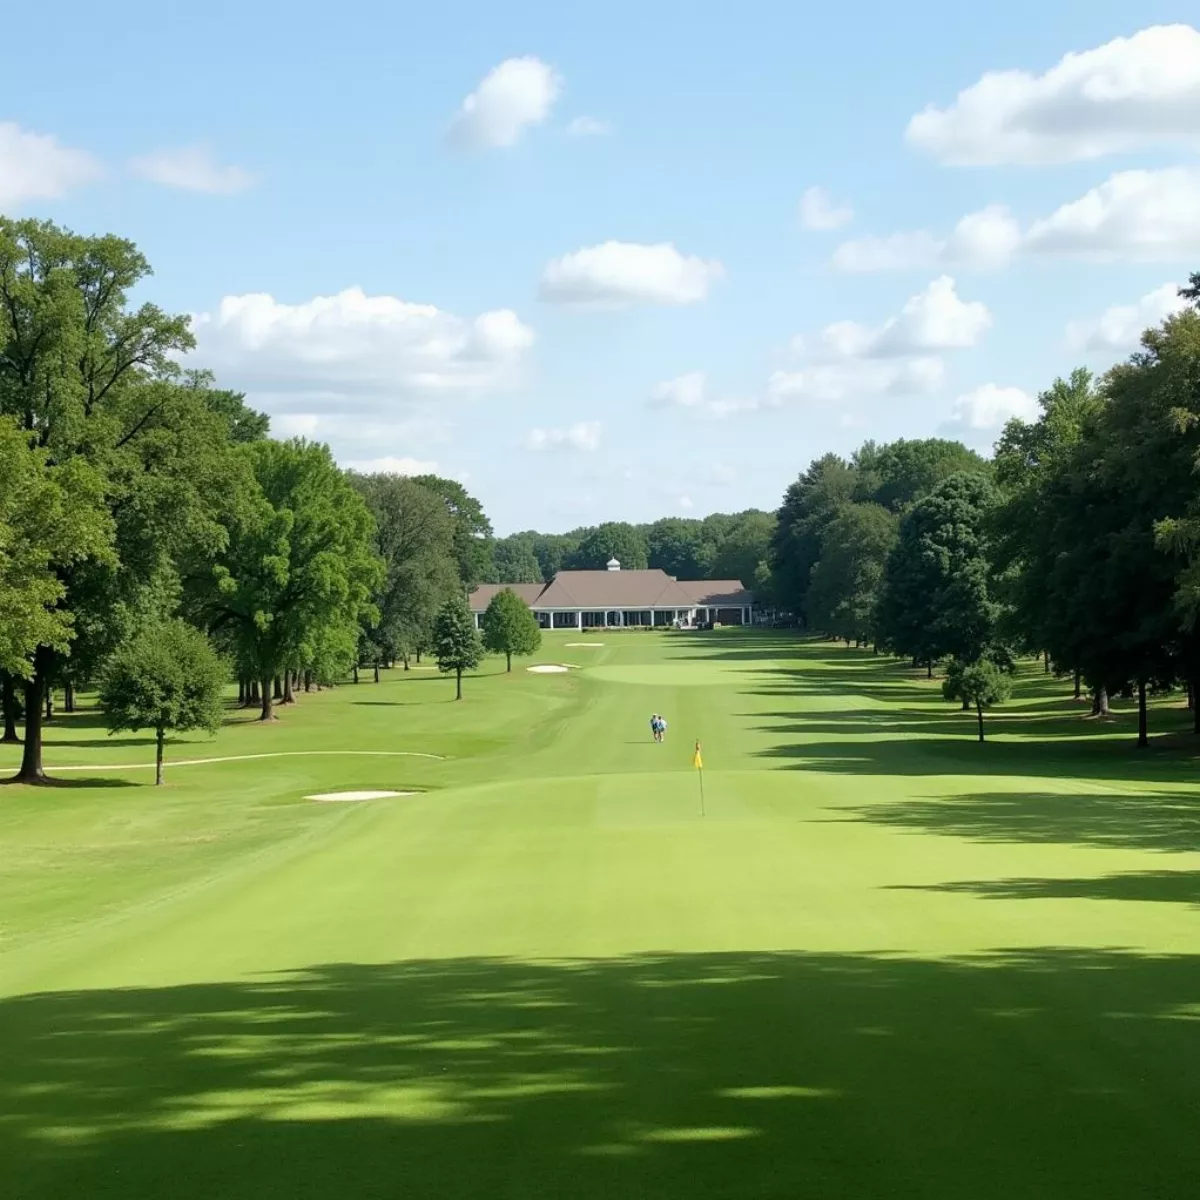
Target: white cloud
{"type": "Point", "coordinates": [690, 392]}
{"type": "Point", "coordinates": [289, 425]}
{"type": "Point", "coordinates": [983, 240]}
{"type": "Point", "coordinates": [819, 211]}
{"type": "Point", "coordinates": [391, 465]}
{"type": "Point", "coordinates": [987, 408]}
{"type": "Point", "coordinates": [722, 475]}
{"type": "Point", "coordinates": [932, 320]}
{"type": "Point", "coordinates": [1125, 95]}
{"type": "Point", "coordinates": [1143, 216]}
{"type": "Point", "coordinates": [588, 127]}
{"type": "Point", "coordinates": [192, 169]}
{"type": "Point", "coordinates": [511, 97]}
{"type": "Point", "coordinates": [831, 382]}
{"type": "Point", "coordinates": [685, 391]}
{"type": "Point", "coordinates": [584, 436]}
{"type": "Point", "coordinates": [619, 273]}
{"type": "Point", "coordinates": [686, 503]}
{"type": "Point", "coordinates": [34, 166]}
{"type": "Point", "coordinates": [352, 344]}
{"type": "Point", "coordinates": [1119, 329]}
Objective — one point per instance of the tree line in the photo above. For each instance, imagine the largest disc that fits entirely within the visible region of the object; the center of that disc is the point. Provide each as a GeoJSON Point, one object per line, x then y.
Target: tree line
{"type": "Point", "coordinates": [1078, 541]}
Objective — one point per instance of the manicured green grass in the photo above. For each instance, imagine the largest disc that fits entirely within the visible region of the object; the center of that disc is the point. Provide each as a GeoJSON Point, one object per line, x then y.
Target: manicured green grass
{"type": "Point", "coordinates": [888, 961]}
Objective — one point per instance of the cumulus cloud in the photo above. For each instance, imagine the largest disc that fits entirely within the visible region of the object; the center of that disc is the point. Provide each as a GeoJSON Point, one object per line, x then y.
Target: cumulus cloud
{"type": "Point", "coordinates": [819, 211]}
{"type": "Point", "coordinates": [691, 392]}
{"type": "Point", "coordinates": [832, 382]}
{"type": "Point", "coordinates": [584, 436]}
{"type": "Point", "coordinates": [351, 344]}
{"type": "Point", "coordinates": [588, 127]}
{"type": "Point", "coordinates": [35, 166]}
{"type": "Point", "coordinates": [621, 273]}
{"type": "Point", "coordinates": [192, 169]}
{"type": "Point", "coordinates": [932, 320]}
{"type": "Point", "coordinates": [986, 409]}
{"type": "Point", "coordinates": [900, 357]}
{"type": "Point", "coordinates": [1127, 94]}
{"type": "Point", "coordinates": [391, 465]}
{"type": "Point", "coordinates": [1134, 215]}
{"type": "Point", "coordinates": [1119, 329]}
{"type": "Point", "coordinates": [983, 240]}
{"type": "Point", "coordinates": [512, 97]}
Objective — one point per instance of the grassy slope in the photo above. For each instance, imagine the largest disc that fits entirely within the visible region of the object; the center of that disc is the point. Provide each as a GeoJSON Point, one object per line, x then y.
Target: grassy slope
{"type": "Point", "coordinates": [888, 960]}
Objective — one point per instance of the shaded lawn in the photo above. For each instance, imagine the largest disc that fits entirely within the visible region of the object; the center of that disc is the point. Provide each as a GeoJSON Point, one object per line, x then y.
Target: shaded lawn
{"type": "Point", "coordinates": [1045, 1074]}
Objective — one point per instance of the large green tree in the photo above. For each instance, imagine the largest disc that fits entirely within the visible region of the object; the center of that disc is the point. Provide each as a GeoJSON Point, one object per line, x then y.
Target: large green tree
{"type": "Point", "coordinates": [94, 380]}
{"type": "Point", "coordinates": [509, 627]}
{"type": "Point", "coordinates": [899, 473]}
{"type": "Point", "coordinates": [939, 596]}
{"type": "Point", "coordinates": [167, 678]}
{"type": "Point", "coordinates": [456, 642]}
{"type": "Point", "coordinates": [846, 583]}
{"type": "Point", "coordinates": [514, 560]}
{"type": "Point", "coordinates": [745, 544]}
{"type": "Point", "coordinates": [978, 685]}
{"type": "Point", "coordinates": [614, 539]}
{"type": "Point", "coordinates": [810, 506]}
{"type": "Point", "coordinates": [472, 529]}
{"type": "Point", "coordinates": [415, 539]}
{"type": "Point", "coordinates": [296, 576]}
{"type": "Point", "coordinates": [675, 545]}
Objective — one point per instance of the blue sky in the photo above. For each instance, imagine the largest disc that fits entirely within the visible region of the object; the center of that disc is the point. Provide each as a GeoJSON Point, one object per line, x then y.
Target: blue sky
{"type": "Point", "coordinates": [634, 319]}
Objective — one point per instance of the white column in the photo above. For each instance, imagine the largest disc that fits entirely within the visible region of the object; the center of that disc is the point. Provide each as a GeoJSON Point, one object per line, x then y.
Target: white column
{"type": "Point", "coordinates": [579, 619]}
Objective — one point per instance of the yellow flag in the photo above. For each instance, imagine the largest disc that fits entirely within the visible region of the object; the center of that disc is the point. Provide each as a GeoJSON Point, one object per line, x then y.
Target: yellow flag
{"type": "Point", "coordinates": [697, 761]}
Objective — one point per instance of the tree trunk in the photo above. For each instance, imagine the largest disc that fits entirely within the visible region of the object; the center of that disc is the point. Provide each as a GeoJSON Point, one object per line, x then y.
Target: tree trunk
{"type": "Point", "coordinates": [377, 670]}
{"type": "Point", "coordinates": [1046, 661]}
{"type": "Point", "coordinates": [158, 756]}
{"type": "Point", "coordinates": [289, 697]}
{"type": "Point", "coordinates": [241, 693]}
{"type": "Point", "coordinates": [929, 669]}
{"type": "Point", "coordinates": [915, 664]}
{"type": "Point", "coordinates": [966, 705]}
{"type": "Point", "coordinates": [308, 681]}
{"type": "Point", "coordinates": [49, 703]}
{"type": "Point", "coordinates": [32, 770]}
{"type": "Point", "coordinates": [508, 655]}
{"type": "Point", "coordinates": [404, 658]}
{"type": "Point", "coordinates": [979, 713]}
{"type": "Point", "coordinates": [356, 672]}
{"type": "Point", "coordinates": [418, 658]}
{"type": "Point", "coordinates": [69, 696]}
{"type": "Point", "coordinates": [9, 704]}
{"type": "Point", "coordinates": [277, 688]}
{"type": "Point", "coordinates": [1143, 739]}
{"type": "Point", "coordinates": [255, 698]}
{"type": "Point", "coordinates": [1078, 684]}
{"type": "Point", "coordinates": [268, 710]}
{"type": "Point", "coordinates": [458, 684]}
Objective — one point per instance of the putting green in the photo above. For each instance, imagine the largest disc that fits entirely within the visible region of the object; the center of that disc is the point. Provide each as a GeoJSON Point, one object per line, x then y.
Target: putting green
{"type": "Point", "coordinates": [871, 958]}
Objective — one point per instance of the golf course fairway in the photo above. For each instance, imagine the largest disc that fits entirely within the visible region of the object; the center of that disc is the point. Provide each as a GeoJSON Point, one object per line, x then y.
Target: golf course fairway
{"type": "Point", "coordinates": [886, 960]}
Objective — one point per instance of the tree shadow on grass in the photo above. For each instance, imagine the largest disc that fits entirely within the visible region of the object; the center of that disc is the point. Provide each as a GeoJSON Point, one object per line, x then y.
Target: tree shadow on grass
{"type": "Point", "coordinates": [58, 781]}
{"type": "Point", "coordinates": [1146, 820]}
{"type": "Point", "coordinates": [1047, 1073]}
{"type": "Point", "coordinates": [1162, 887]}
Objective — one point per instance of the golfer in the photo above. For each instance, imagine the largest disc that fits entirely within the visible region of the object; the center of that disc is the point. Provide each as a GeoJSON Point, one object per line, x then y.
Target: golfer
{"type": "Point", "coordinates": [662, 729]}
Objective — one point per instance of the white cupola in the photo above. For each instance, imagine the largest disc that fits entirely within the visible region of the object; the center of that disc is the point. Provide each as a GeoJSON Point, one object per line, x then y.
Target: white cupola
{"type": "Point", "coordinates": [613, 564]}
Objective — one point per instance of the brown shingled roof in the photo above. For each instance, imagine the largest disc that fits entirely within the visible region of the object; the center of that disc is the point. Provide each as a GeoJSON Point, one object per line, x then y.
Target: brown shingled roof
{"type": "Point", "coordinates": [717, 593]}
{"type": "Point", "coordinates": [603, 590]}
{"type": "Point", "coordinates": [481, 597]}
{"type": "Point", "coordinates": [613, 589]}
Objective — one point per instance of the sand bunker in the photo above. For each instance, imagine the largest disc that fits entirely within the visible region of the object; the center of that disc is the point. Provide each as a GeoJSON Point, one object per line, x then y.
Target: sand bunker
{"type": "Point", "coordinates": [583, 645]}
{"type": "Point", "coordinates": [548, 669]}
{"type": "Point", "coordinates": [348, 797]}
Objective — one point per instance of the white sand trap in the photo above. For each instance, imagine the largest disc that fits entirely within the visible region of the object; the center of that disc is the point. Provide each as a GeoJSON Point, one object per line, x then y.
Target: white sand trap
{"type": "Point", "coordinates": [548, 669]}
{"type": "Point", "coordinates": [349, 797]}
{"type": "Point", "coordinates": [583, 645]}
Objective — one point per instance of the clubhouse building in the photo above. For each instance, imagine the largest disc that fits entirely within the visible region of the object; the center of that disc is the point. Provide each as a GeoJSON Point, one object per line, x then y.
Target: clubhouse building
{"type": "Point", "coordinates": [616, 599]}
